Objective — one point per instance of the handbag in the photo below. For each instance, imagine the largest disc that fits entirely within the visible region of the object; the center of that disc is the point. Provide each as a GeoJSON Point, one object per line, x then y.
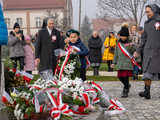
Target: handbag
{"type": "Point", "coordinates": [111, 49]}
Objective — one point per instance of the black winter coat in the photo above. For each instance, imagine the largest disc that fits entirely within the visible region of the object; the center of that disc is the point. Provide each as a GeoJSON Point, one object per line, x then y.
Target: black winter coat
{"type": "Point", "coordinates": [45, 47]}
{"type": "Point", "coordinates": [95, 49]}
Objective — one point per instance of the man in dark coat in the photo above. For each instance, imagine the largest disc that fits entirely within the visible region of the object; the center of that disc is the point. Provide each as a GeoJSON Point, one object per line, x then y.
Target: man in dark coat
{"type": "Point", "coordinates": [47, 41]}
{"type": "Point", "coordinates": [150, 46]}
{"type": "Point", "coordinates": [95, 52]}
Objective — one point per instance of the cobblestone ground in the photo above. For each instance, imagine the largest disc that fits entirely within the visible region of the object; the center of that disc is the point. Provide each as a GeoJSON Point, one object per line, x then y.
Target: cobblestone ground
{"type": "Point", "coordinates": [137, 108]}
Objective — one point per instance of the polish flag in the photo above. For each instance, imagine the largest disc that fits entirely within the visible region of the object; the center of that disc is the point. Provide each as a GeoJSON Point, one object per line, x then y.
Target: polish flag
{"type": "Point", "coordinates": [6, 98]}
{"type": "Point", "coordinates": [27, 77]}
{"type": "Point", "coordinates": [18, 73]}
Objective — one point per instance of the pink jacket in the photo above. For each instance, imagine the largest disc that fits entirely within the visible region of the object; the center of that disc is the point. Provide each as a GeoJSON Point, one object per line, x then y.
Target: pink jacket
{"type": "Point", "coordinates": [29, 58]}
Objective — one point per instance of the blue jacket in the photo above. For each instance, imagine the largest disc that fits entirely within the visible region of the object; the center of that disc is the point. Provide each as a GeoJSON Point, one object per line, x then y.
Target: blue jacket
{"type": "Point", "coordinates": [3, 29]}
{"type": "Point", "coordinates": [83, 53]}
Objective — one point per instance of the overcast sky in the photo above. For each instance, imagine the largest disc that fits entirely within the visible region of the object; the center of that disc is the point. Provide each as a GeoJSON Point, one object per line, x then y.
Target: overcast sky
{"type": "Point", "coordinates": [89, 8]}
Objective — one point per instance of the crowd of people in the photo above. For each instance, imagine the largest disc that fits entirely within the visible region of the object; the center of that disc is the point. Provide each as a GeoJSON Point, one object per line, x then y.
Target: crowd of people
{"type": "Point", "coordinates": [131, 42]}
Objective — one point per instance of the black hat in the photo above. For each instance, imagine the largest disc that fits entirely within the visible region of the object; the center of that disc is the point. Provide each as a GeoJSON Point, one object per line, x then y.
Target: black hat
{"type": "Point", "coordinates": [16, 25]}
{"type": "Point", "coordinates": [124, 31]}
{"type": "Point", "coordinates": [72, 31]}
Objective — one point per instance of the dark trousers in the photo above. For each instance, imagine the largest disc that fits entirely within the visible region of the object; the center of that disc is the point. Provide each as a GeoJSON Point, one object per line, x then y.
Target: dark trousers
{"type": "Point", "coordinates": [109, 62]}
{"type": "Point", "coordinates": [83, 74]}
{"type": "Point", "coordinates": [20, 60]}
{"type": "Point", "coordinates": [125, 82]}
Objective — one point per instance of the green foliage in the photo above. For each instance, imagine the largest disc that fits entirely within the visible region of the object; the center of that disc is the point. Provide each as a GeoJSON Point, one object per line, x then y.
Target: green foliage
{"type": "Point", "coordinates": [73, 58]}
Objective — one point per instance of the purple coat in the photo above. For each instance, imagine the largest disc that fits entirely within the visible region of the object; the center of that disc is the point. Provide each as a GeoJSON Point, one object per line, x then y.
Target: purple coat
{"type": "Point", "coordinates": [29, 58]}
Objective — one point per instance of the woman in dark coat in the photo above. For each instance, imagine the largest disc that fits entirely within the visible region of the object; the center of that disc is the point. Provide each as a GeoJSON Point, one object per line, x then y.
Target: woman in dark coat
{"type": "Point", "coordinates": [95, 52]}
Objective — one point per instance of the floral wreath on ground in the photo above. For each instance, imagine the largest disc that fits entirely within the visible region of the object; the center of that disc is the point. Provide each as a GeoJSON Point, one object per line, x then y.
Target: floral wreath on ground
{"type": "Point", "coordinates": [63, 97]}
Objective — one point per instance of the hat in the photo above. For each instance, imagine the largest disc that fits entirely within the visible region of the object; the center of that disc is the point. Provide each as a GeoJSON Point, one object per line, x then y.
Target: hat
{"type": "Point", "coordinates": [16, 25]}
{"type": "Point", "coordinates": [27, 38]}
{"type": "Point", "coordinates": [124, 31]}
{"type": "Point", "coordinates": [155, 8]}
{"type": "Point", "coordinates": [72, 31]}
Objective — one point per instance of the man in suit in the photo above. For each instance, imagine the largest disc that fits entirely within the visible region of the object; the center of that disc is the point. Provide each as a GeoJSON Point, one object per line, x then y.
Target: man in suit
{"type": "Point", "coordinates": [48, 40]}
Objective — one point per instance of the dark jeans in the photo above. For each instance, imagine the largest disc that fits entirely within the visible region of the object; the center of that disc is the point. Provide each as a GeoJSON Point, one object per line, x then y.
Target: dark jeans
{"type": "Point", "coordinates": [83, 74]}
{"type": "Point", "coordinates": [20, 60]}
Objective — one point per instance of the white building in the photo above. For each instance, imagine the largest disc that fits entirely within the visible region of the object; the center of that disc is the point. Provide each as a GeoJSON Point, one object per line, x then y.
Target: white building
{"type": "Point", "coordinates": [30, 13]}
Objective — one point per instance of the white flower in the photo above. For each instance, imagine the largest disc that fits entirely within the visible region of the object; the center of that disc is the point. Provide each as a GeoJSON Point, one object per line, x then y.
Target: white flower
{"type": "Point", "coordinates": [17, 106]}
{"type": "Point", "coordinates": [22, 115]}
{"type": "Point", "coordinates": [15, 112]}
{"type": "Point", "coordinates": [69, 83]}
{"type": "Point", "coordinates": [65, 79]}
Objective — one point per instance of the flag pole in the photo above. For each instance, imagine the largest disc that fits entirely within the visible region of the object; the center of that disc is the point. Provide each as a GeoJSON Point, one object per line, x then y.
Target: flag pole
{"type": "Point", "coordinates": [1, 81]}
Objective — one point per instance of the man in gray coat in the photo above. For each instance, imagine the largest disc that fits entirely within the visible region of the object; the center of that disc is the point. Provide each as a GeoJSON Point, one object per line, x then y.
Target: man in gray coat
{"type": "Point", "coordinates": [150, 47]}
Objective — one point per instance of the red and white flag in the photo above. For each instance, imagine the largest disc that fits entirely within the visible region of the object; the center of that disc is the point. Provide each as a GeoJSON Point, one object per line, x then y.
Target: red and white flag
{"type": "Point", "coordinates": [18, 73]}
{"type": "Point", "coordinates": [6, 98]}
{"type": "Point", "coordinates": [27, 77]}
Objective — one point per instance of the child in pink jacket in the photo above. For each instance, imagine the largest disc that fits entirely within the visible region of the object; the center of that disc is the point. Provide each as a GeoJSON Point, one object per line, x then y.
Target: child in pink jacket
{"type": "Point", "coordinates": [29, 53]}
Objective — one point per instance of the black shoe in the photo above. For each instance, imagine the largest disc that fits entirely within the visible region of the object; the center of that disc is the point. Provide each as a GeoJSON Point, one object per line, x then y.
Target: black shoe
{"type": "Point", "coordinates": [146, 93]}
{"type": "Point", "coordinates": [125, 93]}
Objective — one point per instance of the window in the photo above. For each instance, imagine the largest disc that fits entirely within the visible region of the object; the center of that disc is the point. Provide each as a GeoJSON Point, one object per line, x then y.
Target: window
{"type": "Point", "coordinates": [19, 21]}
{"type": "Point", "coordinates": [8, 22]}
{"type": "Point", "coordinates": [38, 22]}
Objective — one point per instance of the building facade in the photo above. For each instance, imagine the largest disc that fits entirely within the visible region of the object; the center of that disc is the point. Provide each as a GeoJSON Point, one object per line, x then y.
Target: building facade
{"type": "Point", "coordinates": [30, 14]}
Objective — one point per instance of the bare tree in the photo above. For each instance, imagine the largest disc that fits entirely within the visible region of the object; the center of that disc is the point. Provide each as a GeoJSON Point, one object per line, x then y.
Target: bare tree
{"type": "Point", "coordinates": [124, 9]}
{"type": "Point", "coordinates": [61, 24]}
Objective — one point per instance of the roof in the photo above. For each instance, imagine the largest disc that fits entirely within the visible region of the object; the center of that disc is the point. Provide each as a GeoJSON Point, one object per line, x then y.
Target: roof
{"type": "Point", "coordinates": [105, 24]}
{"type": "Point", "coordinates": [33, 4]}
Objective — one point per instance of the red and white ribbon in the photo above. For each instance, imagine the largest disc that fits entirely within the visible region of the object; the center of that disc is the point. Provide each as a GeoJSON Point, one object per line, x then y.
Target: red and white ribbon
{"type": "Point", "coordinates": [58, 107]}
{"type": "Point", "coordinates": [116, 105]}
{"type": "Point", "coordinates": [127, 54]}
{"type": "Point", "coordinates": [95, 99]}
{"type": "Point", "coordinates": [97, 87]}
{"type": "Point", "coordinates": [69, 50]}
{"type": "Point", "coordinates": [38, 108]}
{"type": "Point", "coordinates": [38, 87]}
{"type": "Point", "coordinates": [86, 99]}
